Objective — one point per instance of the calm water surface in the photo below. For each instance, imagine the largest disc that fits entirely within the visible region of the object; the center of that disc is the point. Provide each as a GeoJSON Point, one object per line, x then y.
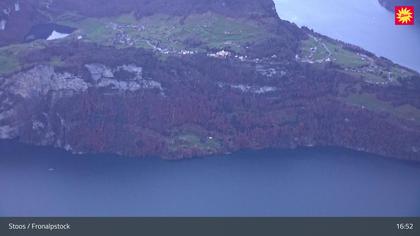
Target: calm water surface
{"type": "Point", "coordinates": [317, 182]}
{"type": "Point", "coordinates": [362, 22]}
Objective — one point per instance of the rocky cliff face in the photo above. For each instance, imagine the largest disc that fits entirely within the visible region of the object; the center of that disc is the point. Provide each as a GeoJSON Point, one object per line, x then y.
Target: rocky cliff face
{"type": "Point", "coordinates": [199, 78]}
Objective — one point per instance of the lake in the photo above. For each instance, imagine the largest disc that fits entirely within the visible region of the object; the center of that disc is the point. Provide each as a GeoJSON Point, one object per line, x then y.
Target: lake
{"type": "Point", "coordinates": [361, 22]}
{"type": "Point", "coordinates": [306, 182]}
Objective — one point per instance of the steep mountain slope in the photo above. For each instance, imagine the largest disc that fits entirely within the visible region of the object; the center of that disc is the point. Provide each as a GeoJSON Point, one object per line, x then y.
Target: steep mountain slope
{"type": "Point", "coordinates": [186, 78]}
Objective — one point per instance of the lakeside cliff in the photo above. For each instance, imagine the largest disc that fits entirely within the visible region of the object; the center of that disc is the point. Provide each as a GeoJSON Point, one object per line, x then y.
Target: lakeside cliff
{"type": "Point", "coordinates": [186, 78]}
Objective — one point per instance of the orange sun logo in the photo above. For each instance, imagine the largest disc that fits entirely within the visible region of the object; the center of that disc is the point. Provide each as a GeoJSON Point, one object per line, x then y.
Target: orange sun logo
{"type": "Point", "coordinates": [404, 15]}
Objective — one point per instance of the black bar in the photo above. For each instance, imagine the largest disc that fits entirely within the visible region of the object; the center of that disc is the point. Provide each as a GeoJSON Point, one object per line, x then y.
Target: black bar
{"type": "Point", "coordinates": [210, 226]}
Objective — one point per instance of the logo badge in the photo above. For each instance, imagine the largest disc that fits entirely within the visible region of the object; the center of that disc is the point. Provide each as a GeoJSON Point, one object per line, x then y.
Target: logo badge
{"type": "Point", "coordinates": [404, 15]}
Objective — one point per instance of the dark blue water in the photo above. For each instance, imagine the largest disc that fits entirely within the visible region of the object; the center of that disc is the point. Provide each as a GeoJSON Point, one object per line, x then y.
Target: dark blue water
{"type": "Point", "coordinates": [315, 182]}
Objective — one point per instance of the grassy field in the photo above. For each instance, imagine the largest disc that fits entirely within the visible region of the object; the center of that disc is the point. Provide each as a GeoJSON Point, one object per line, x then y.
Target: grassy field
{"type": "Point", "coordinates": [191, 140]}
{"type": "Point", "coordinates": [400, 72]}
{"type": "Point", "coordinates": [169, 33]}
{"type": "Point", "coordinates": [9, 61]}
{"type": "Point", "coordinates": [345, 57]}
{"type": "Point", "coordinates": [371, 102]}
{"type": "Point", "coordinates": [320, 50]}
{"type": "Point", "coordinates": [8, 64]}
{"type": "Point", "coordinates": [313, 50]}
{"type": "Point", "coordinates": [10, 56]}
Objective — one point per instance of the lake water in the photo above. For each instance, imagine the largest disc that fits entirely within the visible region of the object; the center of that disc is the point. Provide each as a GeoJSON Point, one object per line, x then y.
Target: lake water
{"type": "Point", "coordinates": [316, 182]}
{"type": "Point", "coordinates": [361, 22]}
